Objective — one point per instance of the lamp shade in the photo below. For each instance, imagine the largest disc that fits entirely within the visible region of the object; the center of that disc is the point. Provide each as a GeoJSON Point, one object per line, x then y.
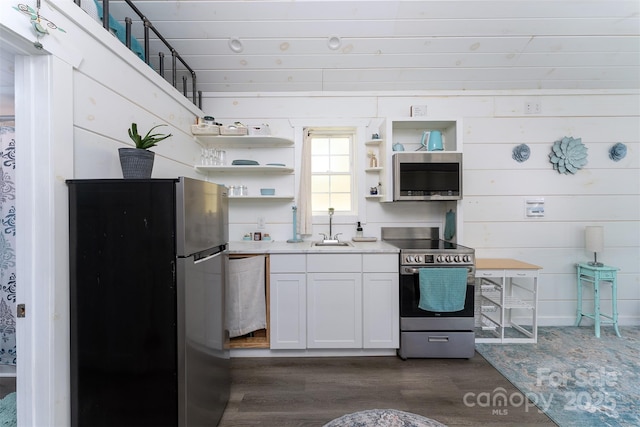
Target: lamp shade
{"type": "Point", "coordinates": [594, 239]}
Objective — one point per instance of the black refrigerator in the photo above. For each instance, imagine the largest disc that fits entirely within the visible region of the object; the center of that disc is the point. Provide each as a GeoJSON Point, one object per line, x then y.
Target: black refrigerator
{"type": "Point", "coordinates": [148, 266]}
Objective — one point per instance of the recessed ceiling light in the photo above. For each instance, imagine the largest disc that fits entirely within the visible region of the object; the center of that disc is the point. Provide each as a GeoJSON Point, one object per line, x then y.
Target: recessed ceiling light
{"type": "Point", "coordinates": [334, 42]}
{"type": "Point", "coordinates": [235, 45]}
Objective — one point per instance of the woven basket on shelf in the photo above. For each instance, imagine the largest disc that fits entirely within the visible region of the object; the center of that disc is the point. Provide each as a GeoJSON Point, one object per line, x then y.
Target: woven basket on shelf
{"type": "Point", "coordinates": [136, 163]}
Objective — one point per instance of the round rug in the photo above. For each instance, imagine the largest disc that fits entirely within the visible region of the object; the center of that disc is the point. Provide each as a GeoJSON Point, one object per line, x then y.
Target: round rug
{"type": "Point", "coordinates": [383, 418]}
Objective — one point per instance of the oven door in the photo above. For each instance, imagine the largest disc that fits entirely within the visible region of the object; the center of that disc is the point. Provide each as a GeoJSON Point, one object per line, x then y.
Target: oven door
{"type": "Point", "coordinates": [410, 296]}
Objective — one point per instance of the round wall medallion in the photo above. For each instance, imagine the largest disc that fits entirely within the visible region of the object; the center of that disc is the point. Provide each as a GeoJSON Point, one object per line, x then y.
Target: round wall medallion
{"type": "Point", "coordinates": [568, 155]}
{"type": "Point", "coordinates": [618, 152]}
{"type": "Point", "coordinates": [521, 153]}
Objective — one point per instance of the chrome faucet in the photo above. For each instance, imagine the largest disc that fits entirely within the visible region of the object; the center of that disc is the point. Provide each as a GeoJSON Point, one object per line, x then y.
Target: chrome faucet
{"type": "Point", "coordinates": [330, 238]}
{"type": "Point", "coordinates": [331, 211]}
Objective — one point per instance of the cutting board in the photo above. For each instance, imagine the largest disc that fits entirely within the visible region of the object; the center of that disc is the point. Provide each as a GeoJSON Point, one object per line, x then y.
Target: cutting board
{"type": "Point", "coordinates": [364, 239]}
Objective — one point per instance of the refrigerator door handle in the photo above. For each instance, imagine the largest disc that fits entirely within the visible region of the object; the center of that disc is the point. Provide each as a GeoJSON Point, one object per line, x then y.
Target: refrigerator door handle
{"type": "Point", "coordinates": [207, 258]}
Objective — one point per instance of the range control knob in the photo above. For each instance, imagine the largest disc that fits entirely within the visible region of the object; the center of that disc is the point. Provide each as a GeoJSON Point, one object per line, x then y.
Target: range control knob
{"type": "Point", "coordinates": [418, 259]}
{"type": "Point", "coordinates": [466, 258]}
{"type": "Point", "coordinates": [449, 258]}
{"type": "Point", "coordinates": [408, 259]}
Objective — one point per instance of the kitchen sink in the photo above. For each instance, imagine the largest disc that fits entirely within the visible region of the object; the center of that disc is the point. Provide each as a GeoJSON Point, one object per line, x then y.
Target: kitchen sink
{"type": "Point", "coordinates": [332, 244]}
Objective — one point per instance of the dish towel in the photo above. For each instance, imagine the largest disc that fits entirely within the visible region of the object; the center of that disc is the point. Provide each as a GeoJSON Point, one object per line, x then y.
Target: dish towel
{"type": "Point", "coordinates": [450, 225]}
{"type": "Point", "coordinates": [246, 301]}
{"type": "Point", "coordinates": [442, 289]}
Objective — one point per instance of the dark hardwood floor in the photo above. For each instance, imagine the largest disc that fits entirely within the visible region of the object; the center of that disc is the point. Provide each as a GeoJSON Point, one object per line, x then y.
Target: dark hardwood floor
{"type": "Point", "coordinates": [313, 391]}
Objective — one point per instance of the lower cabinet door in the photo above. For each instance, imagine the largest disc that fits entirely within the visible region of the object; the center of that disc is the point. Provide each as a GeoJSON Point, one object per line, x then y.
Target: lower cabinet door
{"type": "Point", "coordinates": [288, 311]}
{"type": "Point", "coordinates": [334, 310]}
{"type": "Point", "coordinates": [381, 306]}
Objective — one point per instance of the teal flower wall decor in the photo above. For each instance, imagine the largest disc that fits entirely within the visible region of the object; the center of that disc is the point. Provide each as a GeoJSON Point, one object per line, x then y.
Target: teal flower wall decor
{"type": "Point", "coordinates": [618, 152]}
{"type": "Point", "coordinates": [521, 153]}
{"type": "Point", "coordinates": [568, 155]}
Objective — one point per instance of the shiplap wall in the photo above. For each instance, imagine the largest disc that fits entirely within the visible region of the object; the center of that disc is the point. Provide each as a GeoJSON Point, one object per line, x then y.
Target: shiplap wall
{"type": "Point", "coordinates": [92, 104]}
{"type": "Point", "coordinates": [496, 187]}
{"type": "Point", "coordinates": [401, 45]}
{"type": "Point", "coordinates": [110, 90]}
{"type": "Point", "coordinates": [108, 98]}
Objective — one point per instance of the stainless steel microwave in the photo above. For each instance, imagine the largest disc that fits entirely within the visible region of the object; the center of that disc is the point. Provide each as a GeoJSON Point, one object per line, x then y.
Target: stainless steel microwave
{"type": "Point", "coordinates": [427, 175]}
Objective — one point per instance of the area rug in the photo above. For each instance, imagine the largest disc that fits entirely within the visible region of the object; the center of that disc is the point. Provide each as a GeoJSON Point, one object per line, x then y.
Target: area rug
{"type": "Point", "coordinates": [572, 376]}
{"type": "Point", "coordinates": [8, 410]}
{"type": "Point", "coordinates": [383, 418]}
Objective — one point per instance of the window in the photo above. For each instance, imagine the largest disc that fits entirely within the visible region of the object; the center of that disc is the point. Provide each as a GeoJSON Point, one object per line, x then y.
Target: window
{"type": "Point", "coordinates": [332, 177]}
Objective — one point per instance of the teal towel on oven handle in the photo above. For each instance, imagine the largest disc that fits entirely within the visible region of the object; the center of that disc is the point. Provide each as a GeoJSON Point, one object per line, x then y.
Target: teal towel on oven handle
{"type": "Point", "coordinates": [442, 289]}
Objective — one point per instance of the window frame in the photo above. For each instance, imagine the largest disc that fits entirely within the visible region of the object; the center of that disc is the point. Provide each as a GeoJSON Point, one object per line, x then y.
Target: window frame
{"type": "Point", "coordinates": [350, 132]}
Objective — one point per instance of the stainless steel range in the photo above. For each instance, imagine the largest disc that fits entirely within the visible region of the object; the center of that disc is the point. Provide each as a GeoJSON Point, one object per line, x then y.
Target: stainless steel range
{"type": "Point", "coordinates": [434, 330]}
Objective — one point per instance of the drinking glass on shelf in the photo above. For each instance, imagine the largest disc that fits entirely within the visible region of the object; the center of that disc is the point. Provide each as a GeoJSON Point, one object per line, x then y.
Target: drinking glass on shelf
{"type": "Point", "coordinates": [222, 157]}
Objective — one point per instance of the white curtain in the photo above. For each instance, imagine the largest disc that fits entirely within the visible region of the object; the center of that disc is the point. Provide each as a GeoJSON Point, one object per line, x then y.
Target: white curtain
{"type": "Point", "coordinates": [7, 244]}
{"type": "Point", "coordinates": [305, 213]}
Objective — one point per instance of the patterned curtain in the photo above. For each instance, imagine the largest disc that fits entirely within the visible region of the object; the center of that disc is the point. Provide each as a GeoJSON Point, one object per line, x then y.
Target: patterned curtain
{"type": "Point", "coordinates": [7, 244]}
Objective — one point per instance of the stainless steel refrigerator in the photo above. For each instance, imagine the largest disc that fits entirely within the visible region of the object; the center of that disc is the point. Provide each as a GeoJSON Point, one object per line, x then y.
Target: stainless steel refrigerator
{"type": "Point", "coordinates": [148, 266]}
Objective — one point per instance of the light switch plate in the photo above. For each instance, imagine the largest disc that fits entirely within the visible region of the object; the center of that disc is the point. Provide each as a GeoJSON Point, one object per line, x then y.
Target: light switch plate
{"type": "Point", "coordinates": [534, 208]}
{"type": "Point", "coordinates": [418, 110]}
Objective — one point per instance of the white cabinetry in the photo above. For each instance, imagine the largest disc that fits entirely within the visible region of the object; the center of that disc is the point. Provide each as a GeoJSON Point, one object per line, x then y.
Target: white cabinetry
{"type": "Point", "coordinates": [288, 295]}
{"type": "Point", "coordinates": [506, 301]}
{"type": "Point", "coordinates": [334, 301]}
{"type": "Point", "coordinates": [380, 301]}
{"type": "Point", "coordinates": [408, 132]}
{"type": "Point", "coordinates": [275, 169]}
{"type": "Point", "coordinates": [354, 306]}
{"type": "Point", "coordinates": [334, 310]}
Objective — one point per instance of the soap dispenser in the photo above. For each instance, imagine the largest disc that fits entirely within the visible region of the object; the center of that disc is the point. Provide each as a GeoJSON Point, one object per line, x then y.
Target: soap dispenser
{"type": "Point", "coordinates": [359, 230]}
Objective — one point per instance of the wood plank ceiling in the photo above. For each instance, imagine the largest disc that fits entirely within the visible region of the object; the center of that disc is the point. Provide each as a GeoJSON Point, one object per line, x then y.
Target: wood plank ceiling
{"type": "Point", "coordinates": [311, 45]}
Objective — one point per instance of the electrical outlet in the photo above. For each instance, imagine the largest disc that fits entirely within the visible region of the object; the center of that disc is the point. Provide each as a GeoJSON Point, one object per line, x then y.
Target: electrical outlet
{"type": "Point", "coordinates": [532, 107]}
{"type": "Point", "coordinates": [260, 223]}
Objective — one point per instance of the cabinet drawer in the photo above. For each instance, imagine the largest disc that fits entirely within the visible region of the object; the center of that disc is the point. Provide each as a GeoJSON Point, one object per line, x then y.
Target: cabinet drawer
{"type": "Point", "coordinates": [521, 273]}
{"type": "Point", "coordinates": [290, 263]}
{"type": "Point", "coordinates": [335, 263]}
{"type": "Point", "coordinates": [489, 273]}
{"type": "Point", "coordinates": [607, 275]}
{"type": "Point", "coordinates": [380, 263]}
{"type": "Point", "coordinates": [441, 344]}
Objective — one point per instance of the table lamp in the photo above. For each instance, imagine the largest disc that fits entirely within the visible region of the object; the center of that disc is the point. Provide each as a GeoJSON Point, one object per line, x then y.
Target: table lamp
{"type": "Point", "coordinates": [594, 242]}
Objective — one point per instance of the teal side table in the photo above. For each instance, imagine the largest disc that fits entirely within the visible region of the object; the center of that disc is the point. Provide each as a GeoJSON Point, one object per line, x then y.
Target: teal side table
{"type": "Point", "coordinates": [591, 274]}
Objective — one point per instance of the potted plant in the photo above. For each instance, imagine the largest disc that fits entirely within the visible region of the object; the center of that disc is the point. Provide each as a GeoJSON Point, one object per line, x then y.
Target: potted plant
{"type": "Point", "coordinates": [137, 163]}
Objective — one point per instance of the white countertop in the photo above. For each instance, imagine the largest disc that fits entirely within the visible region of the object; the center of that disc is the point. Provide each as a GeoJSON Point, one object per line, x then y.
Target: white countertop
{"type": "Point", "coordinates": [282, 247]}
